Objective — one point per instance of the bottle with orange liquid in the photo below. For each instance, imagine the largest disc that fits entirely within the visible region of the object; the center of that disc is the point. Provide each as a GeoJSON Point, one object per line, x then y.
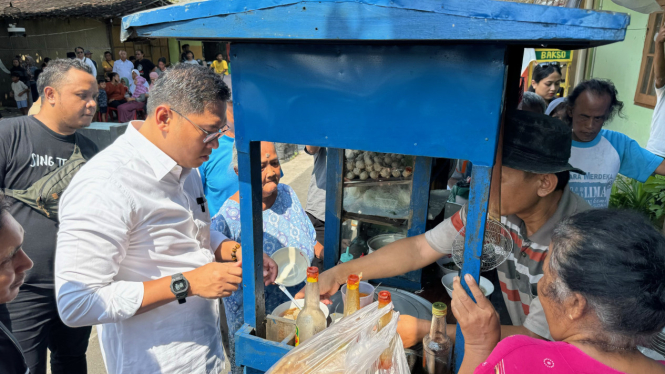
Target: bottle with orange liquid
{"type": "Point", "coordinates": [386, 358]}
{"type": "Point", "coordinates": [311, 319]}
{"type": "Point", "coordinates": [352, 295]}
{"type": "Point", "coordinates": [437, 347]}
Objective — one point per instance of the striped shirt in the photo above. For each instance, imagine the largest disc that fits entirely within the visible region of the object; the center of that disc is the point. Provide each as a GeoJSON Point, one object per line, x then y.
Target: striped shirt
{"type": "Point", "coordinates": [520, 273]}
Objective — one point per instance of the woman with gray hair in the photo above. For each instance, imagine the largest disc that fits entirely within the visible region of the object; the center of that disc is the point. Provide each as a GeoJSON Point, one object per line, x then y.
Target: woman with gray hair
{"type": "Point", "coordinates": [602, 293]}
{"type": "Point", "coordinates": [285, 224]}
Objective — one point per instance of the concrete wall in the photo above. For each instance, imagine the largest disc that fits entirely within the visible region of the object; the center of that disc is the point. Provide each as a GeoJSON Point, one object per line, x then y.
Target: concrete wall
{"type": "Point", "coordinates": [50, 38]}
{"type": "Point", "coordinates": [620, 62]}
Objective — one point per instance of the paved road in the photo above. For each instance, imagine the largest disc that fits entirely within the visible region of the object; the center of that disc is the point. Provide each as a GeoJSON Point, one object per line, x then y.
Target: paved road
{"type": "Point", "coordinates": [297, 173]}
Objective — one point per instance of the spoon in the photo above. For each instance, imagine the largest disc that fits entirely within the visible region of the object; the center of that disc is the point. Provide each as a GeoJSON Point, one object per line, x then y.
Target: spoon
{"type": "Point", "coordinates": [287, 293]}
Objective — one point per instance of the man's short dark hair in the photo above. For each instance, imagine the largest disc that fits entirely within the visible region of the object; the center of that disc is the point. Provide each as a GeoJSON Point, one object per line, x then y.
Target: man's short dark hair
{"type": "Point", "coordinates": [81, 48]}
{"type": "Point", "coordinates": [599, 87]}
{"type": "Point", "coordinates": [101, 80]}
{"type": "Point", "coordinates": [4, 206]}
{"type": "Point", "coordinates": [185, 46]}
{"type": "Point", "coordinates": [111, 75]}
{"type": "Point", "coordinates": [197, 88]}
{"type": "Point", "coordinates": [46, 60]}
{"type": "Point", "coordinates": [139, 50]}
{"type": "Point", "coordinates": [55, 72]}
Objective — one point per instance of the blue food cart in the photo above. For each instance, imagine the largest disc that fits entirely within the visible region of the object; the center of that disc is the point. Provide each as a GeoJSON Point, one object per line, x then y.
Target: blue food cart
{"type": "Point", "coordinates": [424, 78]}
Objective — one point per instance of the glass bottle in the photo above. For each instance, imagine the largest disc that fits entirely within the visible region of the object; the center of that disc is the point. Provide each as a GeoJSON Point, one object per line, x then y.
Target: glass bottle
{"type": "Point", "coordinates": [437, 347]}
{"type": "Point", "coordinates": [385, 360]}
{"type": "Point", "coordinates": [311, 319]}
{"type": "Point", "coordinates": [352, 295]}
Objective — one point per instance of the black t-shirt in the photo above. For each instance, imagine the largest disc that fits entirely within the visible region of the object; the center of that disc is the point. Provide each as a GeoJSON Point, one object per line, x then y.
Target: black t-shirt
{"type": "Point", "coordinates": [144, 67]}
{"type": "Point", "coordinates": [28, 150]}
{"type": "Point", "coordinates": [11, 360]}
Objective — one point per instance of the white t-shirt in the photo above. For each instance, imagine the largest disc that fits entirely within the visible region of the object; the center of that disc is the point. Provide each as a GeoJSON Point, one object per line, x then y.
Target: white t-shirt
{"type": "Point", "coordinates": [602, 159]}
{"type": "Point", "coordinates": [19, 87]}
{"type": "Point", "coordinates": [656, 143]}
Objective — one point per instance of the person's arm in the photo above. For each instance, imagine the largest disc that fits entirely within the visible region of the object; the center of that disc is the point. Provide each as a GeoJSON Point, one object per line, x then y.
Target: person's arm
{"type": "Point", "coordinates": [659, 58]}
{"type": "Point", "coordinates": [95, 222]}
{"type": "Point", "coordinates": [26, 90]}
{"type": "Point", "coordinates": [636, 162]}
{"type": "Point", "coordinates": [311, 150]}
{"type": "Point", "coordinates": [660, 170]}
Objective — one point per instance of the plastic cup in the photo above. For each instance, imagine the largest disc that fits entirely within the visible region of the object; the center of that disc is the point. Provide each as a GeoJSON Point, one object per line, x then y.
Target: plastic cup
{"type": "Point", "coordinates": [364, 287]}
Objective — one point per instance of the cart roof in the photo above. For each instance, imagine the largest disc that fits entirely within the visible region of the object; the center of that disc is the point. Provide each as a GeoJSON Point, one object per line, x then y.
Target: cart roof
{"type": "Point", "coordinates": [380, 21]}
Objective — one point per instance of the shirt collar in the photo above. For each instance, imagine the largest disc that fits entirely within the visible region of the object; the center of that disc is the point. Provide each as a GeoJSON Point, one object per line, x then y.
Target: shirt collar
{"type": "Point", "coordinates": [566, 207]}
{"type": "Point", "coordinates": [161, 163]}
{"type": "Point", "coordinates": [588, 144]}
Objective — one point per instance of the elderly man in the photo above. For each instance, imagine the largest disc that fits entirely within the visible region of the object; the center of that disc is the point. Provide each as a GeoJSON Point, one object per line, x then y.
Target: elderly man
{"type": "Point", "coordinates": [80, 55]}
{"type": "Point", "coordinates": [135, 253]}
{"type": "Point", "coordinates": [534, 198]}
{"type": "Point", "coordinates": [603, 153]}
{"type": "Point", "coordinates": [13, 265]}
{"type": "Point", "coordinates": [32, 147]}
{"type": "Point", "coordinates": [123, 66]}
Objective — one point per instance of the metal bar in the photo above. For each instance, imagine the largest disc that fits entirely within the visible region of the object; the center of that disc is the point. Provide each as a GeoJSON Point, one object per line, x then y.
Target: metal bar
{"type": "Point", "coordinates": [334, 181]}
{"type": "Point", "coordinates": [249, 176]}
{"type": "Point", "coordinates": [475, 232]}
{"type": "Point", "coordinates": [422, 171]}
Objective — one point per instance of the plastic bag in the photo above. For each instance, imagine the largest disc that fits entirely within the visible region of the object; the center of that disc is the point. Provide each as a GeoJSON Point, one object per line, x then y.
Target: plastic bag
{"type": "Point", "coordinates": [352, 345]}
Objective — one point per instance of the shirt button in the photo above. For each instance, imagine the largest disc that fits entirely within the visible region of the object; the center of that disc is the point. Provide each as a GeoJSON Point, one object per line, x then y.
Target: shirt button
{"type": "Point", "coordinates": [523, 254]}
{"type": "Point", "coordinates": [518, 277]}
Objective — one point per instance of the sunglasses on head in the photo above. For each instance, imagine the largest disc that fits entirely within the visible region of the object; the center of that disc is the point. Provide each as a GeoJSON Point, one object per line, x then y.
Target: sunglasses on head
{"type": "Point", "coordinates": [551, 63]}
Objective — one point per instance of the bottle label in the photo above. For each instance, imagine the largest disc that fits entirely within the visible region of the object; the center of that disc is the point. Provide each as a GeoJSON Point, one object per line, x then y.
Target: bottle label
{"type": "Point", "coordinates": [297, 337]}
{"type": "Point", "coordinates": [312, 278]}
{"type": "Point", "coordinates": [352, 286]}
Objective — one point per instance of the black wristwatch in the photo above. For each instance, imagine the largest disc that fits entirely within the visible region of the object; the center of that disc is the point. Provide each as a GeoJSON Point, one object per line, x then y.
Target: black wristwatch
{"type": "Point", "coordinates": [179, 287]}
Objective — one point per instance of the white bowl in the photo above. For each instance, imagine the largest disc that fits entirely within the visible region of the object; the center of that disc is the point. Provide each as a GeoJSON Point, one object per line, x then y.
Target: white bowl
{"type": "Point", "coordinates": [447, 281]}
{"type": "Point", "coordinates": [363, 287]}
{"type": "Point", "coordinates": [292, 264]}
{"type": "Point", "coordinates": [283, 307]}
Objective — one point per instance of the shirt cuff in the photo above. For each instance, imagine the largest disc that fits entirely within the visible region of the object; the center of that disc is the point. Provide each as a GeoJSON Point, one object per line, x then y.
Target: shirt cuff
{"type": "Point", "coordinates": [216, 238]}
{"type": "Point", "coordinates": [653, 165]}
{"type": "Point", "coordinates": [442, 236]}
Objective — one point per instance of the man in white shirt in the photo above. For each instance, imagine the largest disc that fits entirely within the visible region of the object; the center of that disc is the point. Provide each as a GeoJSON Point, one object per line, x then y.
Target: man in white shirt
{"type": "Point", "coordinates": [135, 237]}
{"type": "Point", "coordinates": [123, 67]}
{"type": "Point", "coordinates": [656, 143]}
{"type": "Point", "coordinates": [80, 54]}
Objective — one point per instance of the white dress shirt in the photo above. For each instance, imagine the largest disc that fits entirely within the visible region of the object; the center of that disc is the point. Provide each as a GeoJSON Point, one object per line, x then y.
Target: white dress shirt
{"type": "Point", "coordinates": [130, 215]}
{"type": "Point", "coordinates": [88, 62]}
{"type": "Point", "coordinates": [124, 69]}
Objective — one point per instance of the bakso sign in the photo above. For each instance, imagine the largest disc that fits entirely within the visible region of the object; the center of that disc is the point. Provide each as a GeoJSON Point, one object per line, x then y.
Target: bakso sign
{"type": "Point", "coordinates": [553, 55]}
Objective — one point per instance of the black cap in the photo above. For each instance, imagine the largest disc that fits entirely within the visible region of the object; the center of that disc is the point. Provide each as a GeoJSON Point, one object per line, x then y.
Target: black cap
{"type": "Point", "coordinates": [537, 143]}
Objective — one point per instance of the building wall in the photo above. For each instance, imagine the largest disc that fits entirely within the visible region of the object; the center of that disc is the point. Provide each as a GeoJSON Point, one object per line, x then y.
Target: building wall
{"type": "Point", "coordinates": [50, 38]}
{"type": "Point", "coordinates": [620, 62]}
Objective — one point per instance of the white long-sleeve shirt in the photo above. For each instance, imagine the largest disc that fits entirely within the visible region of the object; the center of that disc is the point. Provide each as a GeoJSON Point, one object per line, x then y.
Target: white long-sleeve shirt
{"type": "Point", "coordinates": [124, 69]}
{"type": "Point", "coordinates": [130, 215]}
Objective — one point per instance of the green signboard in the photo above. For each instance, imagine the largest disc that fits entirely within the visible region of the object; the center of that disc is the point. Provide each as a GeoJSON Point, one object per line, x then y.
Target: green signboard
{"type": "Point", "coordinates": [553, 55]}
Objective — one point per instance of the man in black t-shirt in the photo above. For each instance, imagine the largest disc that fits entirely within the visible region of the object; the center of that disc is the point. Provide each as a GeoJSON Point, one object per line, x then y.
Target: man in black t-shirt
{"type": "Point", "coordinates": [30, 147]}
{"type": "Point", "coordinates": [143, 65]}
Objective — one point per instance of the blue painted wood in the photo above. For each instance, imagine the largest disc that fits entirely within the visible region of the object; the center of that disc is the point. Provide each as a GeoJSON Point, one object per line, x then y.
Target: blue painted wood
{"type": "Point", "coordinates": [379, 20]}
{"type": "Point", "coordinates": [334, 181]}
{"type": "Point", "coordinates": [256, 353]}
{"type": "Point", "coordinates": [251, 223]}
{"type": "Point", "coordinates": [475, 233]}
{"type": "Point", "coordinates": [361, 96]}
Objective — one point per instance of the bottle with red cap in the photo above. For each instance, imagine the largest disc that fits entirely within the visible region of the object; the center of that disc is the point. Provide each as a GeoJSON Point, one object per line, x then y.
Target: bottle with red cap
{"type": "Point", "coordinates": [311, 319]}
{"type": "Point", "coordinates": [386, 359]}
{"type": "Point", "coordinates": [352, 303]}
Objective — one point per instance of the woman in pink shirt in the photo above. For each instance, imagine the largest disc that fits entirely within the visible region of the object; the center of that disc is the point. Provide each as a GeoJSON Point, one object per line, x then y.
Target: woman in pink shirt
{"type": "Point", "coordinates": [602, 292]}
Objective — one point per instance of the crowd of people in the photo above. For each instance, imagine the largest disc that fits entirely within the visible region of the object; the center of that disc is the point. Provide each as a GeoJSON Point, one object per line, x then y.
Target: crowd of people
{"type": "Point", "coordinates": [155, 218]}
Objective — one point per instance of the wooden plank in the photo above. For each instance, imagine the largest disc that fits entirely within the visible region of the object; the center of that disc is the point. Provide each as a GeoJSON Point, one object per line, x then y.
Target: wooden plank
{"type": "Point", "coordinates": [333, 223]}
{"type": "Point", "coordinates": [251, 223]}
{"type": "Point", "coordinates": [257, 354]}
{"type": "Point", "coordinates": [475, 233]}
{"type": "Point", "coordinates": [340, 20]}
{"type": "Point", "coordinates": [358, 107]}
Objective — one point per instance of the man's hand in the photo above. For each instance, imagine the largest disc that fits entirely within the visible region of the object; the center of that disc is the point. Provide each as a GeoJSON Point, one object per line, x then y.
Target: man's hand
{"type": "Point", "coordinates": [214, 280]}
{"type": "Point", "coordinates": [269, 270]}
{"type": "Point", "coordinates": [328, 286]}
{"type": "Point", "coordinates": [479, 321]}
{"type": "Point", "coordinates": [660, 37]}
{"type": "Point", "coordinates": [411, 329]}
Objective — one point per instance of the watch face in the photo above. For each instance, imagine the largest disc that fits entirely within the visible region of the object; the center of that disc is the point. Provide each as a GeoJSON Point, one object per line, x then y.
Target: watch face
{"type": "Point", "coordinates": [179, 286]}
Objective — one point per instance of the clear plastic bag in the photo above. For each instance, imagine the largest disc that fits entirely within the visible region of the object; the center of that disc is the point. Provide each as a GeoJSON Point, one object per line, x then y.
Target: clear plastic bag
{"type": "Point", "coordinates": [352, 345]}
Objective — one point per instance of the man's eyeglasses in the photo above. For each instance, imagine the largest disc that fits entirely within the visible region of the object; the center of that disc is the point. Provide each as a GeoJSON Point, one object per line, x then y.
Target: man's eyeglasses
{"type": "Point", "coordinates": [209, 136]}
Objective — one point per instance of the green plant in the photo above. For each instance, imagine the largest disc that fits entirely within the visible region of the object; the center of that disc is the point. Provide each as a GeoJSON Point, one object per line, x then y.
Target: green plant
{"type": "Point", "coordinates": [647, 198]}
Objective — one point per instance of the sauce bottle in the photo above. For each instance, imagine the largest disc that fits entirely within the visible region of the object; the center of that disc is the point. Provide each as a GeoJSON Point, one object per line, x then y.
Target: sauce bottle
{"type": "Point", "coordinates": [311, 319]}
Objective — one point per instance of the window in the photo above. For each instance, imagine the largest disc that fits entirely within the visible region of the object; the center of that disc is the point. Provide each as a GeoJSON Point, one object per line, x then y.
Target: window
{"type": "Point", "coordinates": [645, 94]}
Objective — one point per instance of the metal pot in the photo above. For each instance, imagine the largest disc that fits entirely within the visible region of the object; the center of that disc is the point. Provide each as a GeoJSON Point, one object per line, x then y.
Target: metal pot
{"type": "Point", "coordinates": [380, 241]}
